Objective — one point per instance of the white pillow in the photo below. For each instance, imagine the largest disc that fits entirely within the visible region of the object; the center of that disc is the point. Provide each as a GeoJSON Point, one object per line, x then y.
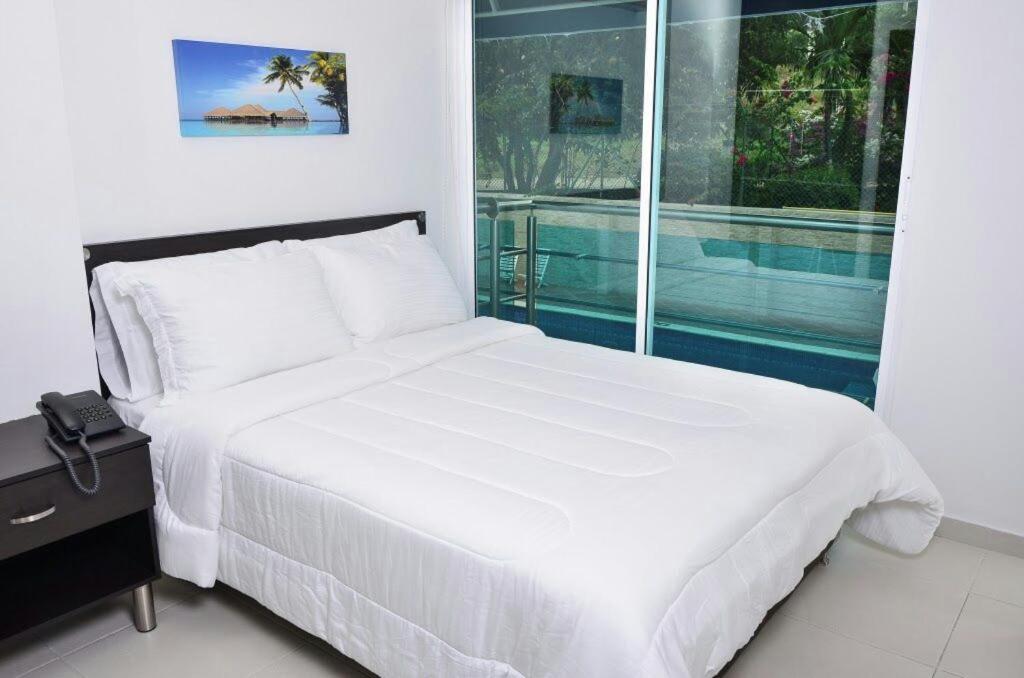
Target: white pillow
{"type": "Point", "coordinates": [108, 350]}
{"type": "Point", "coordinates": [391, 289]}
{"type": "Point", "coordinates": [220, 324]}
{"type": "Point", "coordinates": [138, 374]}
{"type": "Point", "coordinates": [380, 236]}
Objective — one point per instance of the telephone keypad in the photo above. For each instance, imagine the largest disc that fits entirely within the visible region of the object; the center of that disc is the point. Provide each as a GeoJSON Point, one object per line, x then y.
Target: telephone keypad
{"type": "Point", "coordinates": [93, 413]}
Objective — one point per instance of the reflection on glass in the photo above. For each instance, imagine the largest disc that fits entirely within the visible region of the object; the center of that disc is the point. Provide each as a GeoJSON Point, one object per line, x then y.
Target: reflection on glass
{"type": "Point", "coordinates": [782, 137]}
{"type": "Point", "coordinates": [559, 93]}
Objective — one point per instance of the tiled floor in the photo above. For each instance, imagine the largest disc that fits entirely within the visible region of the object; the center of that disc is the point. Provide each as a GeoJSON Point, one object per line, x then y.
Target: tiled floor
{"type": "Point", "coordinates": [955, 611]}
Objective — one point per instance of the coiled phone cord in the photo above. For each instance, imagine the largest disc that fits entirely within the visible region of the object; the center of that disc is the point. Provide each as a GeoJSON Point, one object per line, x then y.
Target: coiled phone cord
{"type": "Point", "coordinates": [59, 451]}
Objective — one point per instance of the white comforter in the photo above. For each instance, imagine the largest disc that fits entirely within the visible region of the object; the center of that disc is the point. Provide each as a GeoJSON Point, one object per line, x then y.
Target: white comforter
{"type": "Point", "coordinates": [480, 500]}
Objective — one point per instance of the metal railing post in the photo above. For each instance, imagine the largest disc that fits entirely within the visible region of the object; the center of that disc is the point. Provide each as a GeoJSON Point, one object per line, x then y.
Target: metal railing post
{"type": "Point", "coordinates": [531, 269]}
{"type": "Point", "coordinates": [495, 266]}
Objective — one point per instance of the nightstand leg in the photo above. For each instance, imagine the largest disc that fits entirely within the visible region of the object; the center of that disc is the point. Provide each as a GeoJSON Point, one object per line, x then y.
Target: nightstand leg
{"type": "Point", "coordinates": [143, 610]}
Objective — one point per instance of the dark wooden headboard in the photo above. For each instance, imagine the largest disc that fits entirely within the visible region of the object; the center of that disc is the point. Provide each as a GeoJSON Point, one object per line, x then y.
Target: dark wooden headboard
{"type": "Point", "coordinates": [213, 241]}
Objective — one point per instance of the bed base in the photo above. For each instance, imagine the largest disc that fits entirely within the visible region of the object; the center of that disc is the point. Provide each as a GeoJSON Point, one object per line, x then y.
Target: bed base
{"type": "Point", "coordinates": [822, 559]}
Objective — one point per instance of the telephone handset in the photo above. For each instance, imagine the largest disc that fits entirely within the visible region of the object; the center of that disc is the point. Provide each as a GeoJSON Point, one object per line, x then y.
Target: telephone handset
{"type": "Point", "coordinates": [75, 418]}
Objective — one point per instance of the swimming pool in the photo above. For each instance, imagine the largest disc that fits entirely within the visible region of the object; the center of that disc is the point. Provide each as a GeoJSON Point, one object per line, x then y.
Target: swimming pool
{"type": "Point", "coordinates": [812, 315]}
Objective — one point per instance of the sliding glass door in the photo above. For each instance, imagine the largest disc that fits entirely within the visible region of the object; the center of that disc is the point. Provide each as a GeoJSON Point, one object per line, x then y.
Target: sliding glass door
{"type": "Point", "coordinates": [559, 99]}
{"type": "Point", "coordinates": [776, 137]}
{"type": "Point", "coordinates": [781, 140]}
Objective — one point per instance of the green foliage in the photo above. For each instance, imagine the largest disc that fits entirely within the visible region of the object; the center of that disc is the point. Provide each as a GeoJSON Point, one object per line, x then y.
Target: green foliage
{"type": "Point", "coordinates": [565, 88]}
{"type": "Point", "coordinates": [815, 186]}
{"type": "Point", "coordinates": [326, 69]}
{"type": "Point", "coordinates": [329, 70]}
{"type": "Point", "coordinates": [284, 71]}
{"type": "Point", "coordinates": [769, 44]}
{"type": "Point", "coordinates": [809, 101]}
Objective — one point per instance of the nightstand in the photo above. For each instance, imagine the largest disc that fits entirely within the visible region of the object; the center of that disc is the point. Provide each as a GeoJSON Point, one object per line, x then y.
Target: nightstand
{"type": "Point", "coordinates": [61, 550]}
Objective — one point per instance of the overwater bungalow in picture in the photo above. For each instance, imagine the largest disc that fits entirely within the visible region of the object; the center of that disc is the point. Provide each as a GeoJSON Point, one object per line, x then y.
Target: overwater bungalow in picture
{"type": "Point", "coordinates": [254, 113]}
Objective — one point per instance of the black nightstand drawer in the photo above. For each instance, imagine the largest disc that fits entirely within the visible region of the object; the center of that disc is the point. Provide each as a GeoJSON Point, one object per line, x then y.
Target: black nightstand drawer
{"type": "Point", "coordinates": [127, 487]}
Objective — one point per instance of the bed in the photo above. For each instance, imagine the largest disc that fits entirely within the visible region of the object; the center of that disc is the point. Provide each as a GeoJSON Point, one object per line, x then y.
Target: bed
{"type": "Point", "coordinates": [478, 499]}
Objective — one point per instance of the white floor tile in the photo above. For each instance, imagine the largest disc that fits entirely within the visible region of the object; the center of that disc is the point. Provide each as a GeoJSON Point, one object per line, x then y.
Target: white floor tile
{"type": "Point", "coordinates": [880, 606]}
{"type": "Point", "coordinates": [23, 654]}
{"type": "Point", "coordinates": [988, 641]}
{"type": "Point", "coordinates": [1001, 577]}
{"type": "Point", "coordinates": [945, 674]}
{"type": "Point", "coordinates": [90, 625]}
{"type": "Point", "coordinates": [57, 669]}
{"type": "Point", "coordinates": [943, 560]}
{"type": "Point", "coordinates": [789, 648]}
{"type": "Point", "coordinates": [311, 662]}
{"type": "Point", "coordinates": [169, 591]}
{"type": "Point", "coordinates": [112, 616]}
{"type": "Point", "coordinates": [210, 635]}
{"type": "Point", "coordinates": [87, 627]}
{"type": "Point", "coordinates": [248, 601]}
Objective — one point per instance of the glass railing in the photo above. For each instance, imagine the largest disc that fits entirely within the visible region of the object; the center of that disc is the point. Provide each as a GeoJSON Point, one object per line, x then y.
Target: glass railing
{"type": "Point", "coordinates": [792, 293]}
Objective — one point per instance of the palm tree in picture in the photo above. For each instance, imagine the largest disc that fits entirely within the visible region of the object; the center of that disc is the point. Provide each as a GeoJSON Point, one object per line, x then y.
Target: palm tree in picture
{"type": "Point", "coordinates": [326, 65]}
{"type": "Point", "coordinates": [328, 70]}
{"type": "Point", "coordinates": [283, 70]}
{"type": "Point", "coordinates": [563, 89]}
{"type": "Point", "coordinates": [584, 92]}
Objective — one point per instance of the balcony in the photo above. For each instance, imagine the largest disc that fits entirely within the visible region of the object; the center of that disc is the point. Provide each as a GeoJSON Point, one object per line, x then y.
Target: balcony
{"type": "Point", "coordinates": [791, 293]}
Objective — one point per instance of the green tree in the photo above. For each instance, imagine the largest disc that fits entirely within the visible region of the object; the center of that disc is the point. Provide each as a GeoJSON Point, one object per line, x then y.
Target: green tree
{"type": "Point", "coordinates": [584, 92]}
{"type": "Point", "coordinates": [563, 88]}
{"type": "Point", "coordinates": [284, 71]}
{"type": "Point", "coordinates": [329, 70]}
{"type": "Point", "coordinates": [838, 62]}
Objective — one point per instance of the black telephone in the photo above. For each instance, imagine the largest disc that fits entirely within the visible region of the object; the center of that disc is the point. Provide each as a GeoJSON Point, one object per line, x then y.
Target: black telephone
{"type": "Point", "coordinates": [75, 418]}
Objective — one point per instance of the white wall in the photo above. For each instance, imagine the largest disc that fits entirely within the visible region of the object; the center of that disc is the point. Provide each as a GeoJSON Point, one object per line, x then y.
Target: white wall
{"type": "Point", "coordinates": [45, 340]}
{"type": "Point", "coordinates": [137, 177]}
{"type": "Point", "coordinates": [958, 383]}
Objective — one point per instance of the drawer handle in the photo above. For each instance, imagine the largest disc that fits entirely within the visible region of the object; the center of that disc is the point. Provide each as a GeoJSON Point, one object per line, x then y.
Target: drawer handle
{"type": "Point", "coordinates": [24, 520]}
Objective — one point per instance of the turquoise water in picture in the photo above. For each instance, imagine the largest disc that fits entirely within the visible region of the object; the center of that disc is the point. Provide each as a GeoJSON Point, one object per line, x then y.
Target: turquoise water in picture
{"type": "Point", "coordinates": [227, 90]}
{"type": "Point", "coordinates": [203, 128]}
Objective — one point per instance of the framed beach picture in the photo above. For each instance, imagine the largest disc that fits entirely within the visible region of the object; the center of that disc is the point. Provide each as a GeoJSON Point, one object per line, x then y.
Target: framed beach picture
{"type": "Point", "coordinates": [227, 90]}
{"type": "Point", "coordinates": [585, 105]}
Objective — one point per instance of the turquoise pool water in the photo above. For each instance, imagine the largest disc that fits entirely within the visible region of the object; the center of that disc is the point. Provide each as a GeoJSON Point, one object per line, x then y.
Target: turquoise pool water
{"type": "Point", "coordinates": [202, 128]}
{"type": "Point", "coordinates": [813, 315]}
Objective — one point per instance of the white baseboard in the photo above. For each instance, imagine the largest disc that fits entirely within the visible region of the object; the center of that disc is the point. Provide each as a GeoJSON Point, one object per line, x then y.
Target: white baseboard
{"type": "Point", "coordinates": [982, 537]}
